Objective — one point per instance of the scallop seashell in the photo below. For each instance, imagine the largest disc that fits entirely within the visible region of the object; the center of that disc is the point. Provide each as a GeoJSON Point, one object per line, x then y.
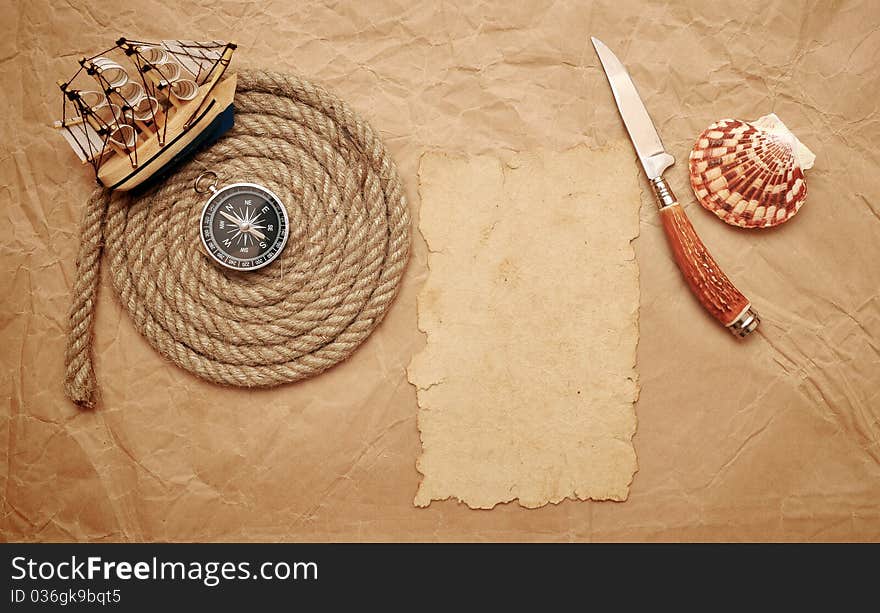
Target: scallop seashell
{"type": "Point", "coordinates": [750, 174]}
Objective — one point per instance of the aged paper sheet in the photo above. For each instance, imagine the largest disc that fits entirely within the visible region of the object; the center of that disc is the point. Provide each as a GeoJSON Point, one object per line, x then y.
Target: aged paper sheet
{"type": "Point", "coordinates": [527, 383]}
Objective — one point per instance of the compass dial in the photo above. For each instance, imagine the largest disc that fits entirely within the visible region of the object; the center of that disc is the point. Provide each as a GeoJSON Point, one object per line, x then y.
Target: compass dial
{"type": "Point", "coordinates": [244, 226]}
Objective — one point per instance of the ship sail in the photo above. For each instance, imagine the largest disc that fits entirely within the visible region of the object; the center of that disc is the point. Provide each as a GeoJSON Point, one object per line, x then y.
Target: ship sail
{"type": "Point", "coordinates": [199, 59]}
{"type": "Point", "coordinates": [82, 138]}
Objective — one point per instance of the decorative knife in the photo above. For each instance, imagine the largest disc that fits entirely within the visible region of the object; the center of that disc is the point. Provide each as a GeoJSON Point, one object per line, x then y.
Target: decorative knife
{"type": "Point", "coordinates": [708, 283]}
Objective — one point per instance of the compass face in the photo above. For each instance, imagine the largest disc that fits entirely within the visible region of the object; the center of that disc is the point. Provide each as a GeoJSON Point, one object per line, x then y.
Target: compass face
{"type": "Point", "coordinates": [244, 226]}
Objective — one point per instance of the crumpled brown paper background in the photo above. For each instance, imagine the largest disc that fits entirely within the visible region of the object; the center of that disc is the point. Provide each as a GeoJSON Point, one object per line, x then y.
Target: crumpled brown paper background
{"type": "Point", "coordinates": [774, 438]}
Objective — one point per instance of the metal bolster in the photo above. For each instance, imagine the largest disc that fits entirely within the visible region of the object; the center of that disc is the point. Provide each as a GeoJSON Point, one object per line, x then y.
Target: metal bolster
{"type": "Point", "coordinates": [663, 192]}
{"type": "Point", "coordinates": [745, 324]}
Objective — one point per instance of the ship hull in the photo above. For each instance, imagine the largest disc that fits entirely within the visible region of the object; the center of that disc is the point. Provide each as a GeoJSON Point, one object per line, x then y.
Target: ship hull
{"type": "Point", "coordinates": [212, 120]}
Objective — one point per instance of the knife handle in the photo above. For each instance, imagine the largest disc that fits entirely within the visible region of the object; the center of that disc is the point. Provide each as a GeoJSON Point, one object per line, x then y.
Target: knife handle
{"type": "Point", "coordinates": [707, 281]}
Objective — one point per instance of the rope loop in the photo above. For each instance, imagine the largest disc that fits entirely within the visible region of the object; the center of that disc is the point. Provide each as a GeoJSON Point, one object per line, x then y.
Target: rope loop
{"type": "Point", "coordinates": [308, 310]}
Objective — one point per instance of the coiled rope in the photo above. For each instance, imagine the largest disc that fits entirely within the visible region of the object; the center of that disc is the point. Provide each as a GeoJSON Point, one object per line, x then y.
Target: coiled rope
{"type": "Point", "coordinates": [308, 310]}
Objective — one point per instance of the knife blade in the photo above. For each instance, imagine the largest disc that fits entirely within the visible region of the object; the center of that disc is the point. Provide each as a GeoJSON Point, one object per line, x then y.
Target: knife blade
{"type": "Point", "coordinates": [703, 275]}
{"type": "Point", "coordinates": [652, 154]}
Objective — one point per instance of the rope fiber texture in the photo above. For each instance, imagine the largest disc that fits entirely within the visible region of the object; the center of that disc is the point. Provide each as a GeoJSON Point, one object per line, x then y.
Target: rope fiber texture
{"type": "Point", "coordinates": [307, 311]}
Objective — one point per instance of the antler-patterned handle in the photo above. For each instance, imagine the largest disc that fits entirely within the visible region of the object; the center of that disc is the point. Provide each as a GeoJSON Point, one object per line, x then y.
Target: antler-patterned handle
{"type": "Point", "coordinates": [707, 281]}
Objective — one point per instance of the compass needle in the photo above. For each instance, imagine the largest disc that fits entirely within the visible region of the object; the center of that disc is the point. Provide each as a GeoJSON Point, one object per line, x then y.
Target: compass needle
{"type": "Point", "coordinates": [234, 220]}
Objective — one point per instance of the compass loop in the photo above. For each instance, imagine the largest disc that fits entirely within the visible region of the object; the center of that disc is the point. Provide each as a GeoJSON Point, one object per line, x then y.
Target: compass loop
{"type": "Point", "coordinates": [206, 182]}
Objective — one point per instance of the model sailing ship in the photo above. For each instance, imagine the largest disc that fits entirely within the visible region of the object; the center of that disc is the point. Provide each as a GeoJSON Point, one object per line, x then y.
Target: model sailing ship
{"type": "Point", "coordinates": [136, 109]}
